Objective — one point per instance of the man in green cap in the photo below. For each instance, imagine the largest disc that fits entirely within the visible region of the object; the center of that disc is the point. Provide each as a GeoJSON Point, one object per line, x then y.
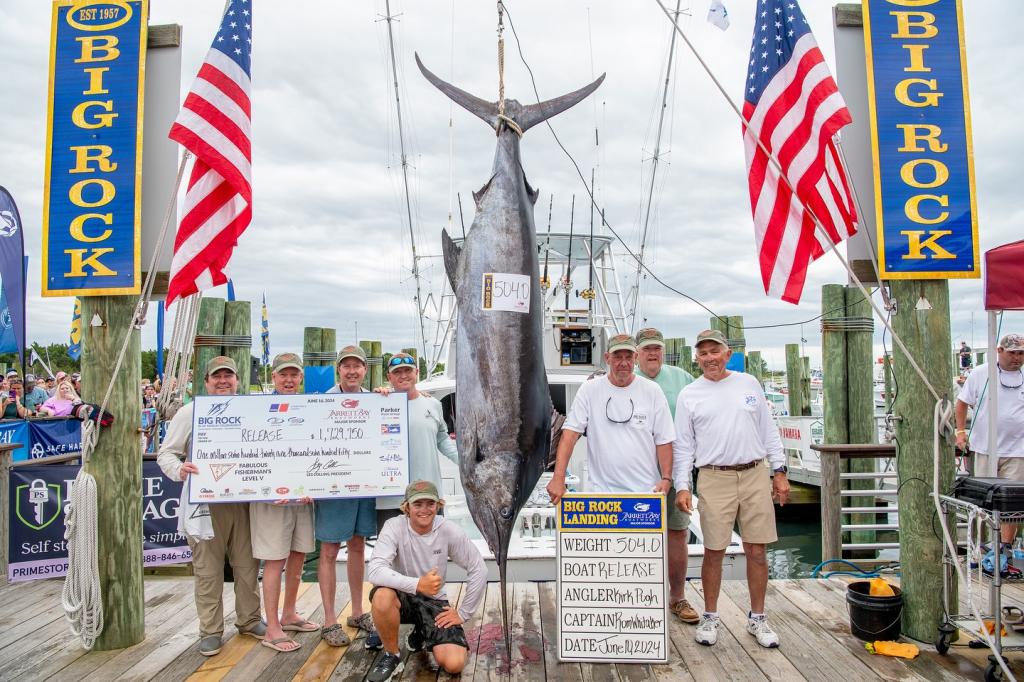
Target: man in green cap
{"type": "Point", "coordinates": [650, 363]}
{"type": "Point", "coordinates": [231, 530]}
{"type": "Point", "coordinates": [408, 569]}
{"type": "Point", "coordinates": [350, 521]}
{"type": "Point", "coordinates": [628, 425]}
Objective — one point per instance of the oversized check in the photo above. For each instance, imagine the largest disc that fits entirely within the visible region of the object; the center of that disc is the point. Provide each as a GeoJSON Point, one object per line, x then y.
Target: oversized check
{"type": "Point", "coordinates": [270, 447]}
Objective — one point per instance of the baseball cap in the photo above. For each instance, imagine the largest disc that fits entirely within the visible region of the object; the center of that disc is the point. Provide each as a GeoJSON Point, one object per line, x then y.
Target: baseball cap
{"type": "Point", "coordinates": [649, 337]}
{"type": "Point", "coordinates": [401, 360]}
{"type": "Point", "coordinates": [421, 490]}
{"type": "Point", "coordinates": [282, 360]}
{"type": "Point", "coordinates": [30, 378]}
{"type": "Point", "coordinates": [351, 352]}
{"type": "Point", "coordinates": [61, 375]}
{"type": "Point", "coordinates": [621, 342]}
{"type": "Point", "coordinates": [12, 372]}
{"type": "Point", "coordinates": [711, 335]}
{"type": "Point", "coordinates": [1012, 342]}
{"type": "Point", "coordinates": [221, 362]}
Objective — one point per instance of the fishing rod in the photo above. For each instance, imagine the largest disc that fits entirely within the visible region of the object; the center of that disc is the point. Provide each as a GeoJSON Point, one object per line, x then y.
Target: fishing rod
{"type": "Point", "coordinates": [545, 283]}
{"type": "Point", "coordinates": [566, 282]}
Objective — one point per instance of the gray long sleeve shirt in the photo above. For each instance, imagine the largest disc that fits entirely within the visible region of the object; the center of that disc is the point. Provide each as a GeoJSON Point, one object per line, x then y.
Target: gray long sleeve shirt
{"type": "Point", "coordinates": [401, 556]}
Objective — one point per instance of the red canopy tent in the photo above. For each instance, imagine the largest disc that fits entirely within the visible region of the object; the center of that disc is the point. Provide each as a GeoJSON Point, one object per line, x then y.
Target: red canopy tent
{"type": "Point", "coordinates": [1004, 277]}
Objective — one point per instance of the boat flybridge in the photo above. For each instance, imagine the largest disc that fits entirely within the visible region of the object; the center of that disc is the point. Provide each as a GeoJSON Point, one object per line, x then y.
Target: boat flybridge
{"type": "Point", "coordinates": [583, 309]}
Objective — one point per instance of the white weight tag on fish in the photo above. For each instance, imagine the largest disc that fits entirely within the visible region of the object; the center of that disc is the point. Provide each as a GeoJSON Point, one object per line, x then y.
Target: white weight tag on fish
{"type": "Point", "coordinates": [503, 291]}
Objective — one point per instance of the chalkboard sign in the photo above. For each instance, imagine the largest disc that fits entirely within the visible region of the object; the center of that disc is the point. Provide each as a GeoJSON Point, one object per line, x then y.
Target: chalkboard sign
{"type": "Point", "coordinates": [612, 570]}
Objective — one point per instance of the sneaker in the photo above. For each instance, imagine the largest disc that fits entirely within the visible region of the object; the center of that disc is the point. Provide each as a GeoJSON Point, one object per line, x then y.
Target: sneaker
{"type": "Point", "coordinates": [707, 630]}
{"type": "Point", "coordinates": [388, 665]}
{"type": "Point", "coordinates": [373, 642]}
{"type": "Point", "coordinates": [209, 645]}
{"type": "Point", "coordinates": [415, 640]}
{"type": "Point", "coordinates": [685, 612]}
{"type": "Point", "coordinates": [762, 631]}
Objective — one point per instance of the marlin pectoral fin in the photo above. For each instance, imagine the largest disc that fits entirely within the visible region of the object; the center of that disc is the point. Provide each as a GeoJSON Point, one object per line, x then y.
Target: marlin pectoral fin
{"type": "Point", "coordinates": [451, 259]}
{"type": "Point", "coordinates": [533, 114]}
{"type": "Point", "coordinates": [487, 111]}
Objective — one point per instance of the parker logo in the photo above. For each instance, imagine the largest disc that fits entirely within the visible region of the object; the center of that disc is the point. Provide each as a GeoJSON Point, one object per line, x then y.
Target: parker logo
{"type": "Point", "coordinates": [295, 420]}
{"type": "Point", "coordinates": [218, 408]}
{"type": "Point", "coordinates": [38, 504]}
{"type": "Point", "coordinates": [390, 428]}
{"type": "Point", "coordinates": [275, 420]}
{"type": "Point", "coordinates": [221, 470]}
{"type": "Point", "coordinates": [279, 407]}
{"type": "Point", "coordinates": [350, 403]}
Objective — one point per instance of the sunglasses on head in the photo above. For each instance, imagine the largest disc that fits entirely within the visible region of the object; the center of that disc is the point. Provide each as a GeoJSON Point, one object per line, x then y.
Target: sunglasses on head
{"type": "Point", "coordinates": [398, 361]}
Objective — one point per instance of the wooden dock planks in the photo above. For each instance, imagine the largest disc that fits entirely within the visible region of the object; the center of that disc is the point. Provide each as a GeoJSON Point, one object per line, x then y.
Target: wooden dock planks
{"type": "Point", "coordinates": [810, 617]}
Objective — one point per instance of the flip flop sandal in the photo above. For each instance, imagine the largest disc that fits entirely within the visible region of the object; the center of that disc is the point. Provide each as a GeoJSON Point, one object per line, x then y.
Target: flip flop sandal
{"type": "Point", "coordinates": [275, 644]}
{"type": "Point", "coordinates": [1013, 615]}
{"type": "Point", "coordinates": [335, 635]}
{"type": "Point", "coordinates": [302, 626]}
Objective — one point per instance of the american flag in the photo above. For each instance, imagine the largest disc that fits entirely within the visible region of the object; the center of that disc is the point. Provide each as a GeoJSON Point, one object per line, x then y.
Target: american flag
{"type": "Point", "coordinates": [793, 105]}
{"type": "Point", "coordinates": [214, 124]}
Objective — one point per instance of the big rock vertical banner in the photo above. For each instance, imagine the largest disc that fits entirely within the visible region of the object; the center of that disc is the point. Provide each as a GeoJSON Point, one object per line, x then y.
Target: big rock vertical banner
{"type": "Point", "coordinates": [92, 199]}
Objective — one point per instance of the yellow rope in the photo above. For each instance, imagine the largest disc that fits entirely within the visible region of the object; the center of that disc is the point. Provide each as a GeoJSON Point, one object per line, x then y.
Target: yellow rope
{"type": "Point", "coordinates": [501, 72]}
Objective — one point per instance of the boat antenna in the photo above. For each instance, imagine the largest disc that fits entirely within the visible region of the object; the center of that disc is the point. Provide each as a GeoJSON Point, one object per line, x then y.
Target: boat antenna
{"type": "Point", "coordinates": [588, 294]}
{"type": "Point", "coordinates": [389, 18]}
{"type": "Point", "coordinates": [654, 167]}
{"type": "Point", "coordinates": [566, 282]}
{"type": "Point", "coordinates": [545, 283]}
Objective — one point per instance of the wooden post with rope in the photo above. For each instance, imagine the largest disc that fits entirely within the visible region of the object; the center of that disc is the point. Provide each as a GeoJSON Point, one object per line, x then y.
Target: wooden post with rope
{"type": "Point", "coordinates": [117, 465]}
{"type": "Point", "coordinates": [922, 322]}
{"type": "Point", "coordinates": [367, 347]}
{"type": "Point", "coordinates": [860, 382]}
{"type": "Point", "coordinates": [238, 324]}
{"type": "Point", "coordinates": [210, 324]}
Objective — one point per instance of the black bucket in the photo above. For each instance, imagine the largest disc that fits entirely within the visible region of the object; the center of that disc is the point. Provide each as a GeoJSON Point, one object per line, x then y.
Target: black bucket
{"type": "Point", "coordinates": [873, 618]}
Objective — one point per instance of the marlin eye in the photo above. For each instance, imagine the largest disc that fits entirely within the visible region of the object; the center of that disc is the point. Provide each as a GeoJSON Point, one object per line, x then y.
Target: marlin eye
{"type": "Point", "coordinates": [506, 513]}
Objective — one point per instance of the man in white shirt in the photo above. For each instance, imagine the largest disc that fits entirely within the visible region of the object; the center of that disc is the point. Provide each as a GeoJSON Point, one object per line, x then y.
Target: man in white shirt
{"type": "Point", "coordinates": [1010, 410]}
{"type": "Point", "coordinates": [724, 424]}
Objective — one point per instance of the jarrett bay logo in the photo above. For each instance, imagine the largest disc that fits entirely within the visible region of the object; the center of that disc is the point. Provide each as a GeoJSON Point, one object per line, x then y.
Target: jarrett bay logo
{"type": "Point", "coordinates": [8, 224]}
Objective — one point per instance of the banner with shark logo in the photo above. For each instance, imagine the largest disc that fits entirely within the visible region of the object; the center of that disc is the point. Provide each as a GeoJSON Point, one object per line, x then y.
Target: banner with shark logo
{"type": "Point", "coordinates": [38, 496]}
{"type": "Point", "coordinates": [12, 269]}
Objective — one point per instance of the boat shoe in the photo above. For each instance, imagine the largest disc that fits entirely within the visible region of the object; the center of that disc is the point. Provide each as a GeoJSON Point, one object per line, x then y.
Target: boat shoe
{"type": "Point", "coordinates": [685, 612]}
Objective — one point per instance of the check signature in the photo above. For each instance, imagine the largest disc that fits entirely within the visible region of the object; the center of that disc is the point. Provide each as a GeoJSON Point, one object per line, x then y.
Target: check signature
{"type": "Point", "coordinates": [318, 466]}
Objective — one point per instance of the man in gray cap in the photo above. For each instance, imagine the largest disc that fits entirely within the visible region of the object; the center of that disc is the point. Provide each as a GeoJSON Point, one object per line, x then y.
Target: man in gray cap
{"type": "Point", "coordinates": [35, 395]}
{"type": "Point", "coordinates": [1009, 446]}
{"type": "Point", "coordinates": [723, 423]}
{"type": "Point", "coordinates": [282, 534]}
{"type": "Point", "coordinates": [231, 534]}
{"type": "Point", "coordinates": [350, 521]}
{"type": "Point", "coordinates": [628, 426]}
{"type": "Point", "coordinates": [650, 363]}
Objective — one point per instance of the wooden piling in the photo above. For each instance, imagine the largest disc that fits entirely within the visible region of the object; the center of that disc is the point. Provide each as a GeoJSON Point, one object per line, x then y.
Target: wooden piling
{"type": "Point", "coordinates": [794, 370]}
{"type": "Point", "coordinates": [238, 322]}
{"type": "Point", "coordinates": [861, 402]}
{"type": "Point", "coordinates": [210, 323]}
{"type": "Point", "coordinates": [922, 322]}
{"type": "Point", "coordinates": [754, 365]}
{"type": "Point", "coordinates": [117, 465]}
{"type": "Point", "coordinates": [377, 369]}
{"type": "Point", "coordinates": [833, 367]}
{"type": "Point", "coordinates": [805, 386]}
{"type": "Point", "coordinates": [979, 358]}
{"type": "Point", "coordinates": [737, 340]}
{"type": "Point", "coordinates": [686, 360]}
{"type": "Point", "coordinates": [887, 368]}
{"type": "Point", "coordinates": [367, 347]}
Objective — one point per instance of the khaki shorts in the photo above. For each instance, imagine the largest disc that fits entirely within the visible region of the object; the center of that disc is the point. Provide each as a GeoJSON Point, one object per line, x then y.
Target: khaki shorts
{"type": "Point", "coordinates": [730, 496]}
{"type": "Point", "coordinates": [278, 529]}
{"type": "Point", "coordinates": [1011, 468]}
{"type": "Point", "coordinates": [676, 519]}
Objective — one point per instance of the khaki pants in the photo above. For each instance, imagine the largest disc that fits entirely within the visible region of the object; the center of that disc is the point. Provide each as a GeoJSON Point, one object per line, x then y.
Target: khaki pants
{"type": "Point", "coordinates": [231, 540]}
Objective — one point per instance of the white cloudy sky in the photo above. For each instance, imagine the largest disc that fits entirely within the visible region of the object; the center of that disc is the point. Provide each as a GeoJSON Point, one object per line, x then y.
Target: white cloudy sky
{"type": "Point", "coordinates": [329, 243]}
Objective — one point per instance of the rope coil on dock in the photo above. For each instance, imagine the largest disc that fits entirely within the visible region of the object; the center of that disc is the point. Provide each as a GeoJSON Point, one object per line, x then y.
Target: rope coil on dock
{"type": "Point", "coordinates": [227, 341]}
{"type": "Point", "coordinates": [373, 362]}
{"type": "Point", "coordinates": [736, 343]}
{"type": "Point", "coordinates": [672, 358]}
{"type": "Point", "coordinates": [848, 324]}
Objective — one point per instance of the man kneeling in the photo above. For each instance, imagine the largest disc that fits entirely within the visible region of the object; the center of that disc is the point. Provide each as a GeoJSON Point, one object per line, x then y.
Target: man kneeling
{"type": "Point", "coordinates": [408, 569]}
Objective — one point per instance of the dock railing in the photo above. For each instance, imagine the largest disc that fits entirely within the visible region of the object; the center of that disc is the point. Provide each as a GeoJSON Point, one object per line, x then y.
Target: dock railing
{"type": "Point", "coordinates": [836, 488]}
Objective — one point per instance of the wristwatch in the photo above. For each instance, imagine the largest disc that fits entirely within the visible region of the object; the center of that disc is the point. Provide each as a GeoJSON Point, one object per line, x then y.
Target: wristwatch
{"type": "Point", "coordinates": [781, 470]}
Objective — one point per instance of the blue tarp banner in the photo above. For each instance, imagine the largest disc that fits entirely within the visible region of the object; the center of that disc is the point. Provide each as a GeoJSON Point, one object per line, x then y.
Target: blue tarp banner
{"type": "Point", "coordinates": [319, 379]}
{"type": "Point", "coordinates": [8, 339]}
{"type": "Point", "coordinates": [12, 270]}
{"type": "Point", "coordinates": [16, 431]}
{"type": "Point", "coordinates": [737, 363]}
{"type": "Point", "coordinates": [38, 498]}
{"type": "Point", "coordinates": [53, 437]}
